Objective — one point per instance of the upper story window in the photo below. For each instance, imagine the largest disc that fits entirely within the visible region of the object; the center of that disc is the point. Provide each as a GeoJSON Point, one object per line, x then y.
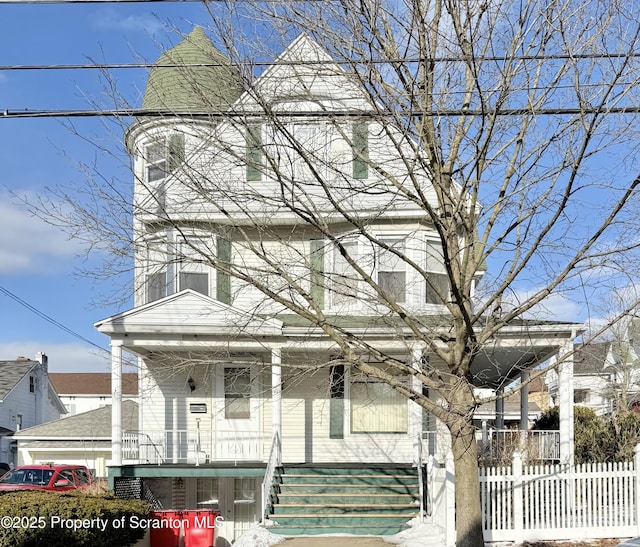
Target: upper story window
{"type": "Point", "coordinates": [360, 149]}
{"type": "Point", "coordinates": [437, 283]}
{"type": "Point", "coordinates": [345, 279]}
{"type": "Point", "coordinates": [310, 158]}
{"type": "Point", "coordinates": [156, 285]}
{"type": "Point", "coordinates": [163, 156]}
{"type": "Point", "coordinates": [392, 269]}
{"type": "Point", "coordinates": [194, 273]}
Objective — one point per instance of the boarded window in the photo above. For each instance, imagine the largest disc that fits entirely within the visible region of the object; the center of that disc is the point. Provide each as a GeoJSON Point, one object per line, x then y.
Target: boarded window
{"type": "Point", "coordinates": [376, 407]}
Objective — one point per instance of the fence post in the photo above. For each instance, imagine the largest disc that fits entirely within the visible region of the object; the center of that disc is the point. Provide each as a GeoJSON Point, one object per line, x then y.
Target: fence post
{"type": "Point", "coordinates": [450, 501]}
{"type": "Point", "coordinates": [636, 493]}
{"type": "Point", "coordinates": [516, 469]}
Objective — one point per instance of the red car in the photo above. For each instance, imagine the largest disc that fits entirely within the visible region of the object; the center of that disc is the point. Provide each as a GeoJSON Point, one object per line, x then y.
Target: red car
{"type": "Point", "coordinates": [46, 477]}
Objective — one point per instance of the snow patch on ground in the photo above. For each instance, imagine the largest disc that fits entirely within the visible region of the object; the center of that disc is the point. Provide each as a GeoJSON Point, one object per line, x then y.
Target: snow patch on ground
{"type": "Point", "coordinates": [418, 535]}
{"type": "Point", "coordinates": [257, 536]}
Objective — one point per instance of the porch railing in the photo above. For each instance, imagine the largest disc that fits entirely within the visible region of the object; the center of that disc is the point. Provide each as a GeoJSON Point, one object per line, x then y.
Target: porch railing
{"type": "Point", "coordinates": [536, 446]}
{"type": "Point", "coordinates": [272, 465]}
{"type": "Point", "coordinates": [195, 446]}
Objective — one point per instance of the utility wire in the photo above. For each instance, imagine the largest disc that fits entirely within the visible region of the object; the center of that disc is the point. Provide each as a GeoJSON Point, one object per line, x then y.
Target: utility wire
{"type": "Point", "coordinates": [466, 112]}
{"type": "Point", "coordinates": [50, 319]}
{"type": "Point", "coordinates": [321, 62]}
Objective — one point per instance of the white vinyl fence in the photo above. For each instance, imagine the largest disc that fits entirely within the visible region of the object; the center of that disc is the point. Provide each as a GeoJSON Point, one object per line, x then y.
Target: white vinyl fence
{"type": "Point", "coordinates": [545, 502]}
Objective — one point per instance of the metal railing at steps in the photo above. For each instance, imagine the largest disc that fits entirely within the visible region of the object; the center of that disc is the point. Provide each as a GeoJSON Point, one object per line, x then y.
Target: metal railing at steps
{"type": "Point", "coordinates": [274, 462]}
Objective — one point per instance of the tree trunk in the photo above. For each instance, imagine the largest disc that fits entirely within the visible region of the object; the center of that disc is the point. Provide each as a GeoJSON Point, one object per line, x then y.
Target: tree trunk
{"type": "Point", "coordinates": [468, 510]}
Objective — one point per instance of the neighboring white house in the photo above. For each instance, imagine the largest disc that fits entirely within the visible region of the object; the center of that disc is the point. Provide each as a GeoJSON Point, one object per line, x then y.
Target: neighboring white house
{"type": "Point", "coordinates": [84, 391]}
{"type": "Point", "coordinates": [27, 398]}
{"type": "Point", "coordinates": [82, 439]}
{"type": "Point", "coordinates": [599, 377]}
{"type": "Point", "coordinates": [217, 411]}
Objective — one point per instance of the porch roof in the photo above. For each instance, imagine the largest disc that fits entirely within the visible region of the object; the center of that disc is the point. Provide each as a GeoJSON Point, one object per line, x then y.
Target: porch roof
{"type": "Point", "coordinates": [189, 321]}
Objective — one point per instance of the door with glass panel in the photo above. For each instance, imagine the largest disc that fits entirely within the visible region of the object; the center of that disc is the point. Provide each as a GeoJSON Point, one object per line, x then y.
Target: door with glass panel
{"type": "Point", "coordinates": [237, 432]}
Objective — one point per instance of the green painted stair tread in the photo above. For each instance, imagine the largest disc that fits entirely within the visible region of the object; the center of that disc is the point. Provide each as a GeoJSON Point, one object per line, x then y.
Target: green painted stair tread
{"type": "Point", "coordinates": [353, 530]}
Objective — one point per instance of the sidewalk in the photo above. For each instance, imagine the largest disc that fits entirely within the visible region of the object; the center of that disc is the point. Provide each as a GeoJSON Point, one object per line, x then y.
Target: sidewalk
{"type": "Point", "coordinates": [336, 541]}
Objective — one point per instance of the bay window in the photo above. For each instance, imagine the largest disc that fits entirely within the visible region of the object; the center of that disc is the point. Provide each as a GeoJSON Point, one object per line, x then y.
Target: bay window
{"type": "Point", "coordinates": [392, 269]}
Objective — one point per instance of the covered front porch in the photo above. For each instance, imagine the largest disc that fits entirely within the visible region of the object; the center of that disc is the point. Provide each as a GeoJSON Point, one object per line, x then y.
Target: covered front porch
{"type": "Point", "coordinates": [218, 385]}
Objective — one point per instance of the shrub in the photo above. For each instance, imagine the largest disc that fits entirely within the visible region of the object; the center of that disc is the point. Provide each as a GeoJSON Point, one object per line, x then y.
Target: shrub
{"type": "Point", "coordinates": [32, 518]}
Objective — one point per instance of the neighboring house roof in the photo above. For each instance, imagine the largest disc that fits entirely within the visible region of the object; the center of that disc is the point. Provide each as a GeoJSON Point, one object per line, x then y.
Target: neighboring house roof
{"type": "Point", "coordinates": [94, 424]}
{"type": "Point", "coordinates": [175, 82]}
{"type": "Point", "coordinates": [92, 383]}
{"type": "Point", "coordinates": [591, 359]}
{"type": "Point", "coordinates": [11, 372]}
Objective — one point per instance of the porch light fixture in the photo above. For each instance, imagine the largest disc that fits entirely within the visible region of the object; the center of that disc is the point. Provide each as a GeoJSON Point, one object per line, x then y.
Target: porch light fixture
{"type": "Point", "coordinates": [191, 384]}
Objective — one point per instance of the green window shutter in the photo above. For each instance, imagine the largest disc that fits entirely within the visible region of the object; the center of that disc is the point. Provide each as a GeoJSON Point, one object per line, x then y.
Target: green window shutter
{"type": "Point", "coordinates": [223, 279]}
{"type": "Point", "coordinates": [336, 402]}
{"type": "Point", "coordinates": [176, 151]}
{"type": "Point", "coordinates": [360, 147]}
{"type": "Point", "coordinates": [317, 271]}
{"type": "Point", "coordinates": [254, 152]}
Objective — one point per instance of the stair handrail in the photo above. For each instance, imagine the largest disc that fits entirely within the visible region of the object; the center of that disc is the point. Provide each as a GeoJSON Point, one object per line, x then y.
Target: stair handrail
{"type": "Point", "coordinates": [420, 474]}
{"type": "Point", "coordinates": [272, 465]}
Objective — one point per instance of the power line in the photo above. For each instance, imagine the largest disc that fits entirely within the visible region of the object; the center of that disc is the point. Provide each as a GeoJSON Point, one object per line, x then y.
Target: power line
{"type": "Point", "coordinates": [195, 114]}
{"type": "Point", "coordinates": [50, 319]}
{"type": "Point", "coordinates": [320, 62]}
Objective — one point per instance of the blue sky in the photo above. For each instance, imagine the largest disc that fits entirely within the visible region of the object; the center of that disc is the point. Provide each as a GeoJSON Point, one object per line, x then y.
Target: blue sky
{"type": "Point", "coordinates": [38, 263]}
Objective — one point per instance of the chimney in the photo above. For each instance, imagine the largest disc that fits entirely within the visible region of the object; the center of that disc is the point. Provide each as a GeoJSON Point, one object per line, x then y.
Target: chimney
{"type": "Point", "coordinates": [42, 359]}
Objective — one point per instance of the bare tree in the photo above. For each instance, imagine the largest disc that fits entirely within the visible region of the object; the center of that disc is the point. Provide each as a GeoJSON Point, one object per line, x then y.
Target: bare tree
{"type": "Point", "coordinates": [495, 131]}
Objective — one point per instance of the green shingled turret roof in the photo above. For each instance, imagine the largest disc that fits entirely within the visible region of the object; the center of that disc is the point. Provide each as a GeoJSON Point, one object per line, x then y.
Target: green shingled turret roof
{"type": "Point", "coordinates": [185, 88]}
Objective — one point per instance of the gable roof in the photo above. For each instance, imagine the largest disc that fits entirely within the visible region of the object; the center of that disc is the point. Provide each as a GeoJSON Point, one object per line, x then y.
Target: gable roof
{"type": "Point", "coordinates": [591, 358]}
{"type": "Point", "coordinates": [11, 372]}
{"type": "Point", "coordinates": [91, 383]}
{"type": "Point", "coordinates": [94, 424]}
{"type": "Point", "coordinates": [189, 311]}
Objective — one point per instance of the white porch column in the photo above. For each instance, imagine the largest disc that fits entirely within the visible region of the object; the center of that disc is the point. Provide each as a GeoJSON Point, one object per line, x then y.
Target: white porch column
{"type": "Point", "coordinates": [524, 400]}
{"type": "Point", "coordinates": [565, 401]}
{"type": "Point", "coordinates": [276, 396]}
{"type": "Point", "coordinates": [416, 412]}
{"type": "Point", "coordinates": [116, 403]}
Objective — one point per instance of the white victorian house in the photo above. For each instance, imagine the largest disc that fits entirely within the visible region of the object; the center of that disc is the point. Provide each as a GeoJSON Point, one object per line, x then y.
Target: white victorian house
{"type": "Point", "coordinates": [231, 391]}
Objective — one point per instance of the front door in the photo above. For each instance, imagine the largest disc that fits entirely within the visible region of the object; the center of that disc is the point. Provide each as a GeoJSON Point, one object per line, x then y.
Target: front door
{"type": "Point", "coordinates": [237, 413]}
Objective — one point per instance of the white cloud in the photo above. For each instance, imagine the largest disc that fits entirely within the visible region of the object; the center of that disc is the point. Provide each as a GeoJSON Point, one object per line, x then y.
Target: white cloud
{"type": "Point", "coordinates": [62, 357]}
{"type": "Point", "coordinates": [28, 244]}
{"type": "Point", "coordinates": [555, 307]}
{"type": "Point", "coordinates": [109, 19]}
{"type": "Point", "coordinates": [69, 357]}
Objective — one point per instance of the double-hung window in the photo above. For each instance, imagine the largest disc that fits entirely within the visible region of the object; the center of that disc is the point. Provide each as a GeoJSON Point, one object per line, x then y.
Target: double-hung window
{"type": "Point", "coordinates": [345, 279]}
{"type": "Point", "coordinates": [437, 283]}
{"type": "Point", "coordinates": [392, 269]}
{"type": "Point", "coordinates": [163, 156]}
{"type": "Point", "coordinates": [194, 272]}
